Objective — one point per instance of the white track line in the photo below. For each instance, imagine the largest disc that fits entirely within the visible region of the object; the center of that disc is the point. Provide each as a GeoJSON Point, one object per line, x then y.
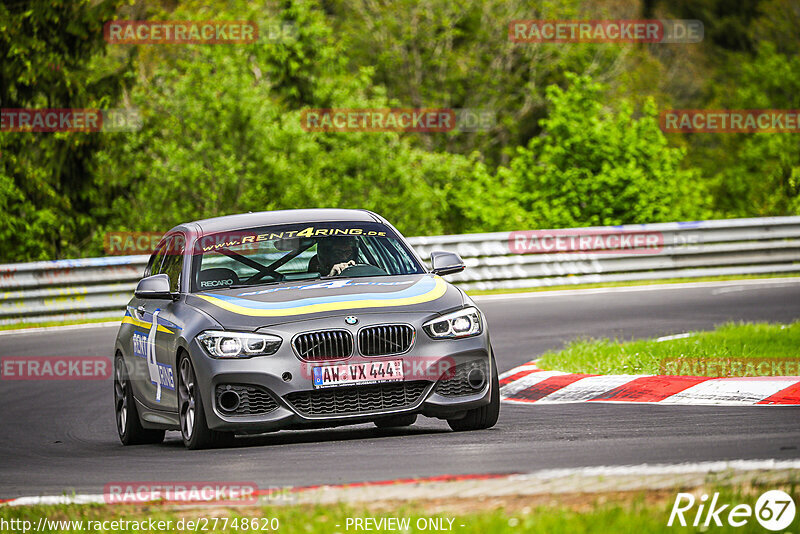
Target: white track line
{"type": "Point", "coordinates": [665, 469]}
{"type": "Point", "coordinates": [57, 499]}
{"type": "Point", "coordinates": [674, 336]}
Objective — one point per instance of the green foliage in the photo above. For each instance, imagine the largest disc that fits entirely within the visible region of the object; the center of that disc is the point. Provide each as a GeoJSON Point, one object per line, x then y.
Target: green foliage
{"type": "Point", "coordinates": [457, 54]}
{"type": "Point", "coordinates": [46, 47]}
{"type": "Point", "coordinates": [727, 24]}
{"type": "Point", "coordinates": [594, 166]}
{"type": "Point", "coordinates": [764, 177]}
{"type": "Point", "coordinates": [222, 134]}
{"type": "Point", "coordinates": [752, 64]}
{"type": "Point", "coordinates": [576, 142]}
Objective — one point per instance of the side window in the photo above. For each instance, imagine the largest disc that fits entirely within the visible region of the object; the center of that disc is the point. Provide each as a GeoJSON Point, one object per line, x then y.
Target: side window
{"type": "Point", "coordinates": [154, 265]}
{"type": "Point", "coordinates": [400, 258]}
{"type": "Point", "coordinates": [389, 255]}
{"type": "Point", "coordinates": [173, 262]}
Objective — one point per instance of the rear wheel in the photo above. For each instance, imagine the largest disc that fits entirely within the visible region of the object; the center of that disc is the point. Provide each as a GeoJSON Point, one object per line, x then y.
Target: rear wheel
{"type": "Point", "coordinates": [485, 416]}
{"type": "Point", "coordinates": [194, 428]}
{"type": "Point", "coordinates": [129, 428]}
{"type": "Point", "coordinates": [397, 421]}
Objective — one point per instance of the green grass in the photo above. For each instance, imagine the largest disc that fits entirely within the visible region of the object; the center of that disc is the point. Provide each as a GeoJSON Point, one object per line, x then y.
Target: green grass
{"type": "Point", "coordinates": [19, 326]}
{"type": "Point", "coordinates": [732, 343]}
{"type": "Point", "coordinates": [474, 292]}
{"type": "Point", "coordinates": [617, 512]}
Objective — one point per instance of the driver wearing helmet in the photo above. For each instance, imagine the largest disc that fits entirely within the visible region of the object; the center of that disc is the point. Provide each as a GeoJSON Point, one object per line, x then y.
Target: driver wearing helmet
{"type": "Point", "coordinates": [334, 255]}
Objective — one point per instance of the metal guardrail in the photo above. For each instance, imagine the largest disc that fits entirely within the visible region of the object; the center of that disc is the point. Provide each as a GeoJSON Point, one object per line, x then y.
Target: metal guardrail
{"type": "Point", "coordinates": [100, 287]}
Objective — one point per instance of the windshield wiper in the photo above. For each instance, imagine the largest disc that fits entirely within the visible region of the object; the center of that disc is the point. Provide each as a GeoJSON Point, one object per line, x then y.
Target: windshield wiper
{"type": "Point", "coordinates": [257, 284]}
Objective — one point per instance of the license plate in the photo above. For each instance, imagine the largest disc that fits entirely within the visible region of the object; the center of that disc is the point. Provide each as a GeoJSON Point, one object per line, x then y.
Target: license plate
{"type": "Point", "coordinates": [358, 373]}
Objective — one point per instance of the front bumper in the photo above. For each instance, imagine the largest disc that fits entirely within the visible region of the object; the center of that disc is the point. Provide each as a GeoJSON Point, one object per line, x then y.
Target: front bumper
{"type": "Point", "coordinates": [281, 395]}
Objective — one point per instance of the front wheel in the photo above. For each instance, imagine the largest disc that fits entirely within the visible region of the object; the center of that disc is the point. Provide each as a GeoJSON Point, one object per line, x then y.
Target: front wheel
{"type": "Point", "coordinates": [194, 428]}
{"type": "Point", "coordinates": [129, 428]}
{"type": "Point", "coordinates": [485, 416]}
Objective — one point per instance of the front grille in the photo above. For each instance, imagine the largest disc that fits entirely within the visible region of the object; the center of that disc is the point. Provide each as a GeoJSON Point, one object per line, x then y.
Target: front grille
{"type": "Point", "coordinates": [458, 385]}
{"type": "Point", "coordinates": [353, 400]}
{"type": "Point", "coordinates": [253, 400]}
{"type": "Point", "coordinates": [386, 339]}
{"type": "Point", "coordinates": [324, 345]}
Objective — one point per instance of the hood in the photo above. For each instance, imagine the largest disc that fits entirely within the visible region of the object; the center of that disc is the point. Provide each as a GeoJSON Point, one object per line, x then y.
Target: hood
{"type": "Point", "coordinates": [250, 308]}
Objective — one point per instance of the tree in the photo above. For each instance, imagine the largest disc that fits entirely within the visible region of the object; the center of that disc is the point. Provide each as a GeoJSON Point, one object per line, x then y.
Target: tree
{"type": "Point", "coordinates": [222, 134]}
{"type": "Point", "coordinates": [457, 54]}
{"type": "Point", "coordinates": [593, 166]}
{"type": "Point", "coordinates": [763, 177]}
{"type": "Point", "coordinates": [47, 49]}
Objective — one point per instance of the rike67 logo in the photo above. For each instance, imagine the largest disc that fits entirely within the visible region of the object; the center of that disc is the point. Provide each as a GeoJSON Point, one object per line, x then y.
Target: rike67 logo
{"type": "Point", "coordinates": [774, 510]}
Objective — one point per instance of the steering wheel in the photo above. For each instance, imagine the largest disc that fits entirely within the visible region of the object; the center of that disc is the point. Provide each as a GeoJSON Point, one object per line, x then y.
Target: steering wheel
{"type": "Point", "coordinates": [362, 269]}
{"type": "Point", "coordinates": [258, 276]}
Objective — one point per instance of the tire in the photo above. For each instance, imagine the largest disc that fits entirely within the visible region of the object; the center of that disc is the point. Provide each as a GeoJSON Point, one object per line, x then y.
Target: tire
{"type": "Point", "coordinates": [194, 427]}
{"type": "Point", "coordinates": [397, 421]}
{"type": "Point", "coordinates": [129, 427]}
{"type": "Point", "coordinates": [485, 416]}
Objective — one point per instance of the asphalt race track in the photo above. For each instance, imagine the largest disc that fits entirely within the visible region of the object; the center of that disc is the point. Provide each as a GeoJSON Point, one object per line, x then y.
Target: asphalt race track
{"type": "Point", "coordinates": [59, 435]}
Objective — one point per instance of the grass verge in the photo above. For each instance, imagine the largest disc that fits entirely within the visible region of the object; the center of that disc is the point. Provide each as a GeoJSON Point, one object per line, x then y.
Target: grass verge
{"type": "Point", "coordinates": [732, 344]}
{"type": "Point", "coordinates": [43, 324]}
{"type": "Point", "coordinates": [547, 514]}
{"type": "Point", "coordinates": [474, 292]}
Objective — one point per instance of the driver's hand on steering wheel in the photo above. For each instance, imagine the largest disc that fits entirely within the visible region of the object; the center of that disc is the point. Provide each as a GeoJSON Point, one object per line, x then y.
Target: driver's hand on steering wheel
{"type": "Point", "coordinates": [339, 267]}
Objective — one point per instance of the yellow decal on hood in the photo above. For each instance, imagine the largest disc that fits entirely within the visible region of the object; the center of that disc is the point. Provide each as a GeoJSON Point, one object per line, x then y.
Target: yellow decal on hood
{"type": "Point", "coordinates": [426, 290]}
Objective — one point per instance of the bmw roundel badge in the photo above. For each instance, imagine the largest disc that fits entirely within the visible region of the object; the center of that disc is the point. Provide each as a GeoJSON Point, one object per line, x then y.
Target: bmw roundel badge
{"type": "Point", "coordinates": [351, 319]}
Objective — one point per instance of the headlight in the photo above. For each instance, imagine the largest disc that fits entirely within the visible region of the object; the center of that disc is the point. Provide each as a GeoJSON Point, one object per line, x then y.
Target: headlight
{"type": "Point", "coordinates": [462, 323]}
{"type": "Point", "coordinates": [220, 344]}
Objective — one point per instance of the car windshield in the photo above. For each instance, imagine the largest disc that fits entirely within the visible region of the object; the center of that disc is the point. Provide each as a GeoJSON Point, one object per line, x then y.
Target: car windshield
{"type": "Point", "coordinates": [272, 254]}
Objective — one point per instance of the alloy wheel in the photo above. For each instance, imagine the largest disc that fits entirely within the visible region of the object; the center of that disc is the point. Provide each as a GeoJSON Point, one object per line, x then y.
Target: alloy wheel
{"type": "Point", "coordinates": [187, 392]}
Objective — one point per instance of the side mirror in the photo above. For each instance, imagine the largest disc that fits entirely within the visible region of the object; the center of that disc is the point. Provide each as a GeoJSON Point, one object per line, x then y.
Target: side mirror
{"type": "Point", "coordinates": [443, 263]}
{"type": "Point", "coordinates": [154, 287]}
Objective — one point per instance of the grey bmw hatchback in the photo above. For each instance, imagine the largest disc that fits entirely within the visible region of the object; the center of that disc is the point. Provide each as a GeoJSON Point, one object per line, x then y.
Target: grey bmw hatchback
{"type": "Point", "coordinates": [295, 319]}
